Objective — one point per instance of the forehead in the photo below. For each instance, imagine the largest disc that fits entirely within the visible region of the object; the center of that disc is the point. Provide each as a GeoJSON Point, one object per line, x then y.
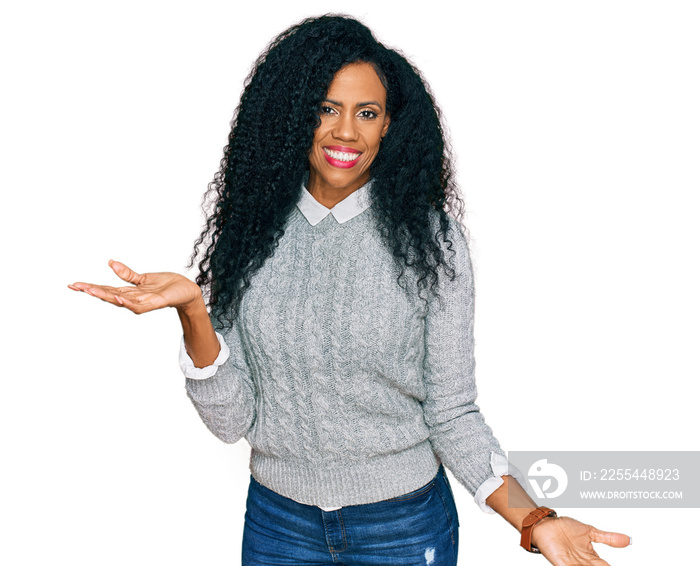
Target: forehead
{"type": "Point", "coordinates": [357, 81]}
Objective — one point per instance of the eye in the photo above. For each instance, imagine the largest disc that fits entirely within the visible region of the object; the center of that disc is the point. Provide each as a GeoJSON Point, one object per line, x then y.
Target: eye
{"type": "Point", "coordinates": [326, 110]}
{"type": "Point", "coordinates": [367, 114]}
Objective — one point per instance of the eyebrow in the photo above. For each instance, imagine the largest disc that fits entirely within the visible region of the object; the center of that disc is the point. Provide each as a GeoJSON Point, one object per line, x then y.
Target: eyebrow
{"type": "Point", "coordinates": [358, 105]}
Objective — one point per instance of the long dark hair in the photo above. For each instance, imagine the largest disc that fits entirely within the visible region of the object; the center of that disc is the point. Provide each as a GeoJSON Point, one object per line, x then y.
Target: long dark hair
{"type": "Point", "coordinates": [264, 163]}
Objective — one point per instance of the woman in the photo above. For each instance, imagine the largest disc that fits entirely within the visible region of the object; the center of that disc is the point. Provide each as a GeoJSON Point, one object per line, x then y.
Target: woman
{"type": "Point", "coordinates": [340, 336]}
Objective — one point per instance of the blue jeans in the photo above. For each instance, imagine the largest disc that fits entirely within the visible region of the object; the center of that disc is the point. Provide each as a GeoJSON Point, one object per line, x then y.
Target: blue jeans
{"type": "Point", "coordinates": [419, 528]}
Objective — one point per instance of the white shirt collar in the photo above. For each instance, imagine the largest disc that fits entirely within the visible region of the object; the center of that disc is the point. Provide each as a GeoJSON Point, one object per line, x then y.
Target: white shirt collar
{"type": "Point", "coordinates": [352, 205]}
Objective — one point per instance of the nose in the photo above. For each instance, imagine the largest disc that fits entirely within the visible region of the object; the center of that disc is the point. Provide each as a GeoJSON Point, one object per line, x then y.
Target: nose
{"type": "Point", "coordinates": [345, 127]}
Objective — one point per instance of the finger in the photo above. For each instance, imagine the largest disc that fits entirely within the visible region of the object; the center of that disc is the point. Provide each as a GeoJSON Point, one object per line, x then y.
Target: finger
{"type": "Point", "coordinates": [80, 286]}
{"type": "Point", "coordinates": [618, 540]}
{"type": "Point", "coordinates": [101, 292]}
{"type": "Point", "coordinates": [119, 299]}
{"type": "Point", "coordinates": [90, 288]}
{"type": "Point", "coordinates": [116, 296]}
{"type": "Point", "coordinates": [136, 300]}
{"type": "Point", "coordinates": [125, 273]}
{"type": "Point", "coordinates": [136, 304]}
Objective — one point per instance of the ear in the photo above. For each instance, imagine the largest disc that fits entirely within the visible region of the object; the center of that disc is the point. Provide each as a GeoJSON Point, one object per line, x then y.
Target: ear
{"type": "Point", "coordinates": [387, 121]}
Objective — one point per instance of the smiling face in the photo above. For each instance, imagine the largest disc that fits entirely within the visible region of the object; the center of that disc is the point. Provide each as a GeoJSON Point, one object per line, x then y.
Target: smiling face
{"type": "Point", "coordinates": [353, 123]}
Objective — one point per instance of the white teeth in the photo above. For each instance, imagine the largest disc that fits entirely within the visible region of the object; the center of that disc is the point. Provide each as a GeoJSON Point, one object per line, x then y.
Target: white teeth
{"type": "Point", "coordinates": [341, 155]}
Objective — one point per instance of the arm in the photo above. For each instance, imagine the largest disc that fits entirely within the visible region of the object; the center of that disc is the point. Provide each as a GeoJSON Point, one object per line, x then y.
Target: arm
{"type": "Point", "coordinates": [562, 540]}
{"type": "Point", "coordinates": [521, 503]}
{"type": "Point", "coordinates": [201, 342]}
{"type": "Point", "coordinates": [152, 291]}
{"type": "Point", "coordinates": [226, 401]}
{"type": "Point", "coordinates": [459, 434]}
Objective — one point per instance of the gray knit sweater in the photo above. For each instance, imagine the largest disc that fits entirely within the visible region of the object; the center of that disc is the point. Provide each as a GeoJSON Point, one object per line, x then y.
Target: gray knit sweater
{"type": "Point", "coordinates": [349, 389]}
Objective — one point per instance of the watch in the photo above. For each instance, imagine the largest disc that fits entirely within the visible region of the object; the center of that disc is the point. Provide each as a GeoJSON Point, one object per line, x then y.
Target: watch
{"type": "Point", "coordinates": [530, 521]}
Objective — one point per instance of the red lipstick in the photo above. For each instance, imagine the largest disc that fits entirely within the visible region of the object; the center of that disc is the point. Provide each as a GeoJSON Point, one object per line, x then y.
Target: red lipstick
{"type": "Point", "coordinates": [338, 162]}
{"type": "Point", "coordinates": [343, 149]}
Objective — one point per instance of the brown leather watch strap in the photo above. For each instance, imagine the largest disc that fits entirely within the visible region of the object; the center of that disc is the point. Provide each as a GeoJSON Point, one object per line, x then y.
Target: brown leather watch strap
{"type": "Point", "coordinates": [530, 521]}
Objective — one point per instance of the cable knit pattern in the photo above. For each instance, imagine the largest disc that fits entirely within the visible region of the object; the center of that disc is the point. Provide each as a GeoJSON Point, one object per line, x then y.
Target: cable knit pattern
{"type": "Point", "coordinates": [349, 389]}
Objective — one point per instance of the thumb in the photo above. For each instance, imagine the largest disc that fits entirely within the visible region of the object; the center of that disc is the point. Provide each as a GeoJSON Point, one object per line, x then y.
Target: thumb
{"type": "Point", "coordinates": [618, 540]}
{"type": "Point", "coordinates": [125, 273]}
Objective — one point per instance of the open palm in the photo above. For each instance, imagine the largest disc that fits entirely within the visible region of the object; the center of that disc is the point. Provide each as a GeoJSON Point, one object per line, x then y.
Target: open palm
{"type": "Point", "coordinates": [567, 542]}
{"type": "Point", "coordinates": [146, 292]}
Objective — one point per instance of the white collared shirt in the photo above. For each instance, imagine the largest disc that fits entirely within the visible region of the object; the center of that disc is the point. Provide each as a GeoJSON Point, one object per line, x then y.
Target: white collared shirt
{"type": "Point", "coordinates": [356, 202]}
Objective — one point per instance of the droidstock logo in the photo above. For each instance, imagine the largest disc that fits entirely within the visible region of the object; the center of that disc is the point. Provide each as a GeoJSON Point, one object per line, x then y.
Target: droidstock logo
{"type": "Point", "coordinates": [542, 469]}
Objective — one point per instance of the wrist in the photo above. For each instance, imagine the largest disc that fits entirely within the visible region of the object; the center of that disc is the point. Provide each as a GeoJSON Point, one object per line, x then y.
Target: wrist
{"type": "Point", "coordinates": [533, 536]}
{"type": "Point", "coordinates": [194, 308]}
{"type": "Point", "coordinates": [534, 518]}
{"type": "Point", "coordinates": [201, 342]}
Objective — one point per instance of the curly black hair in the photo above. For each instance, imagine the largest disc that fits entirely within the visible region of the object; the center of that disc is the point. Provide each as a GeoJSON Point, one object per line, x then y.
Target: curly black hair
{"type": "Point", "coordinates": [255, 189]}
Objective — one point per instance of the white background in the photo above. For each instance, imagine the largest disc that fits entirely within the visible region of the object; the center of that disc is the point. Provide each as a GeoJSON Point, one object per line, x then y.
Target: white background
{"type": "Point", "coordinates": [575, 126]}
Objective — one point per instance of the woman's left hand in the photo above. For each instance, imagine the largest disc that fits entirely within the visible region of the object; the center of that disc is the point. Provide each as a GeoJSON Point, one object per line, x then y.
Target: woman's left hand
{"type": "Point", "coordinates": [567, 542]}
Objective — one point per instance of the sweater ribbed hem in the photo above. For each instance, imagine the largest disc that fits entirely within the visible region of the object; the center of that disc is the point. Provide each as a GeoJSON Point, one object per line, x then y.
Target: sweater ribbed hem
{"type": "Point", "coordinates": [347, 483]}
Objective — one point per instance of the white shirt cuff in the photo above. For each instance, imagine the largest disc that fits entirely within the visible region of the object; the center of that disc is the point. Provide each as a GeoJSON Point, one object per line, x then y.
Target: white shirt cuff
{"type": "Point", "coordinates": [187, 365]}
{"type": "Point", "coordinates": [500, 467]}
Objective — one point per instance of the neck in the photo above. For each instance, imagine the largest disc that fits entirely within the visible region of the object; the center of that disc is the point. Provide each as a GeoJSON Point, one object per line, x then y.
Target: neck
{"type": "Point", "coordinates": [328, 195]}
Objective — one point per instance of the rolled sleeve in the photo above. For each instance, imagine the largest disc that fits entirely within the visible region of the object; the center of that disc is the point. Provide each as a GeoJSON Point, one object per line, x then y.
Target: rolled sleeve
{"type": "Point", "coordinates": [187, 365]}
{"type": "Point", "coordinates": [500, 467]}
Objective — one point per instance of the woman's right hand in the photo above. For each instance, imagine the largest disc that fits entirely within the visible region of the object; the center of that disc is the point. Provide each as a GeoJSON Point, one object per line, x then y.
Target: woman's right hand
{"type": "Point", "coordinates": [152, 291]}
{"type": "Point", "coordinates": [147, 292]}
